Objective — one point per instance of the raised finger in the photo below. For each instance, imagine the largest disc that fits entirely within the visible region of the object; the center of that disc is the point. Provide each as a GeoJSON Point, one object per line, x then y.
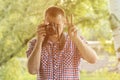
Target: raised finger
{"type": "Point", "coordinates": [67, 21]}
{"type": "Point", "coordinates": [41, 25]}
{"type": "Point", "coordinates": [72, 29]}
{"type": "Point", "coordinates": [41, 29]}
{"type": "Point", "coordinates": [71, 19]}
{"type": "Point", "coordinates": [41, 33]}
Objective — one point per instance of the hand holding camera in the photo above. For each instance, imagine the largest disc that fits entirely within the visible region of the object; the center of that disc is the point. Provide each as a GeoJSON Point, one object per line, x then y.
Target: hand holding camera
{"type": "Point", "coordinates": [41, 32]}
{"type": "Point", "coordinates": [51, 29]}
{"type": "Point", "coordinates": [46, 30]}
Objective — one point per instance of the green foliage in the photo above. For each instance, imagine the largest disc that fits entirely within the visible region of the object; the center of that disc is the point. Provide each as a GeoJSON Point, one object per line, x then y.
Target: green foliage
{"type": "Point", "coordinates": [18, 22]}
{"type": "Point", "coordinates": [15, 70]}
{"type": "Point", "coordinates": [11, 71]}
{"type": "Point", "coordinates": [20, 18]}
{"type": "Point", "coordinates": [107, 46]}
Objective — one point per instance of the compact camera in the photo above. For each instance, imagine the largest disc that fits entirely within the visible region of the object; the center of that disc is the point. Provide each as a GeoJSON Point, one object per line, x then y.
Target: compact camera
{"type": "Point", "coordinates": [51, 29]}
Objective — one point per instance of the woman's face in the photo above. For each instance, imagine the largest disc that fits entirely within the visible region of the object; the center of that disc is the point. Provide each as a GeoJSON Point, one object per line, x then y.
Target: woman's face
{"type": "Point", "coordinates": [58, 21]}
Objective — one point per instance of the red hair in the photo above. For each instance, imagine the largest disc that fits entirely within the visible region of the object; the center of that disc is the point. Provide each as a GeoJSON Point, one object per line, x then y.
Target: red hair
{"type": "Point", "coordinates": [54, 11]}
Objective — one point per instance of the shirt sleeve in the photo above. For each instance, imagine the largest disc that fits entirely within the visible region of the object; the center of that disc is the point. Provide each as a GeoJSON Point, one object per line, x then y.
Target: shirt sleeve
{"type": "Point", "coordinates": [31, 45]}
{"type": "Point", "coordinates": [83, 39]}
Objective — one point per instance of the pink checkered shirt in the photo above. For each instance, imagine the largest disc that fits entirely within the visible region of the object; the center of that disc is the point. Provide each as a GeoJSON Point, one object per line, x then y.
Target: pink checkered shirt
{"type": "Point", "coordinates": [56, 64]}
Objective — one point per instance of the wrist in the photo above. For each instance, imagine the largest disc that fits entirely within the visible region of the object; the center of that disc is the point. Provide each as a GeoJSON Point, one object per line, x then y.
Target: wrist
{"type": "Point", "coordinates": [39, 41]}
{"type": "Point", "coordinates": [77, 40]}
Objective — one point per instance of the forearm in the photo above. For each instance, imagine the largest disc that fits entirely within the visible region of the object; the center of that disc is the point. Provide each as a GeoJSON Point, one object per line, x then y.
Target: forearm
{"type": "Point", "coordinates": [85, 51]}
{"type": "Point", "coordinates": [34, 58]}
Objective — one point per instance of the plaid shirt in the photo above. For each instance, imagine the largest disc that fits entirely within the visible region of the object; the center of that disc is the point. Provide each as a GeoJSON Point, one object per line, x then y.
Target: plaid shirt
{"type": "Point", "coordinates": [56, 64]}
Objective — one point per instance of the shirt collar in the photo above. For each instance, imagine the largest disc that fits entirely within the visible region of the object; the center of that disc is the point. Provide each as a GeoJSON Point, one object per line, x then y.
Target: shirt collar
{"type": "Point", "coordinates": [62, 39]}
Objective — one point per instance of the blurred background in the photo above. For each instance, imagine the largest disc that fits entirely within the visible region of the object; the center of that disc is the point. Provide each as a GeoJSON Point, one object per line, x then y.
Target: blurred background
{"type": "Point", "coordinates": [20, 18]}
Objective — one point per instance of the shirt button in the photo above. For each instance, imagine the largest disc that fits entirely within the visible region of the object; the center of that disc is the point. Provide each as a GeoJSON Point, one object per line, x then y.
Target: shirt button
{"type": "Point", "coordinates": [55, 56]}
{"type": "Point", "coordinates": [55, 66]}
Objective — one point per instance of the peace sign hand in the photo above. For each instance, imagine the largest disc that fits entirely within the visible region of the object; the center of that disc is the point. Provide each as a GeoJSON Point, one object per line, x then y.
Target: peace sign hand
{"type": "Point", "coordinates": [72, 30]}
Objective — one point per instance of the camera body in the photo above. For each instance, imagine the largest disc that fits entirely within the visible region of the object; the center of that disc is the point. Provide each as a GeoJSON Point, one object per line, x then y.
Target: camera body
{"type": "Point", "coordinates": [51, 29]}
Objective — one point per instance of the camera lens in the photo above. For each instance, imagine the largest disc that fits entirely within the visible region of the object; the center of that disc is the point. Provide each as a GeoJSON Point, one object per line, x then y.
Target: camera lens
{"type": "Point", "coordinates": [51, 29]}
